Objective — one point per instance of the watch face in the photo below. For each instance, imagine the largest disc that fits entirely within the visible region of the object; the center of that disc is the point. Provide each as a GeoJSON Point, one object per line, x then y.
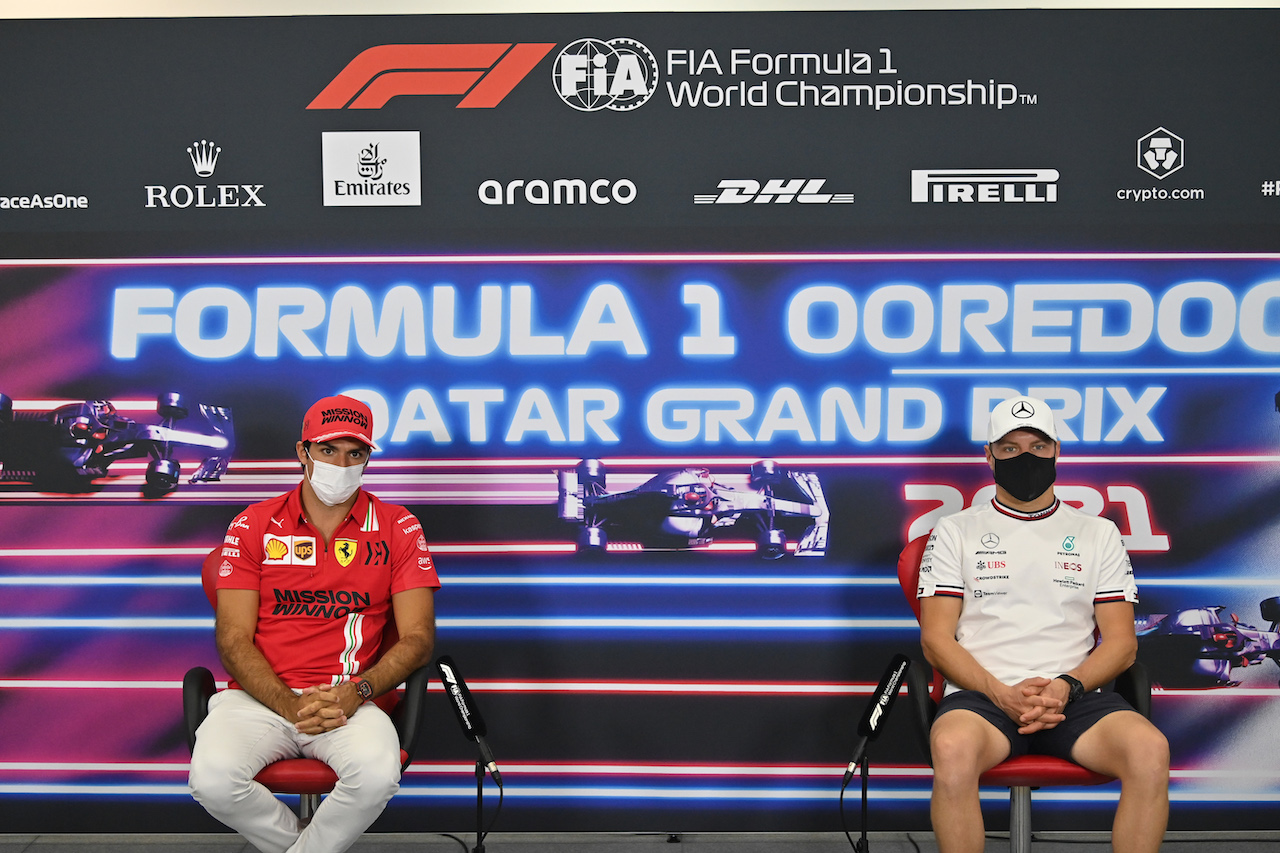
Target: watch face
{"type": "Point", "coordinates": [364, 689]}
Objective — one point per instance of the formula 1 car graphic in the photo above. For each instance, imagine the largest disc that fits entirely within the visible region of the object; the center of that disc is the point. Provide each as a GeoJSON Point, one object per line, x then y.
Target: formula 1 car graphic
{"type": "Point", "coordinates": [67, 448]}
{"type": "Point", "coordinates": [687, 508]}
{"type": "Point", "coordinates": [1198, 647]}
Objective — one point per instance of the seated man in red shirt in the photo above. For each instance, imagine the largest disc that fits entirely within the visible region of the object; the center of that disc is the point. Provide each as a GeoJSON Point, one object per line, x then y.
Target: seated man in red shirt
{"type": "Point", "coordinates": [306, 585]}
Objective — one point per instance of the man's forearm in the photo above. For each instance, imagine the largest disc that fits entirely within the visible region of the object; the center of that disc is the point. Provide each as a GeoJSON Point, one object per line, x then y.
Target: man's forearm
{"type": "Point", "coordinates": [245, 663]}
{"type": "Point", "coordinates": [398, 662]}
{"type": "Point", "coordinates": [959, 667]}
{"type": "Point", "coordinates": [1106, 662]}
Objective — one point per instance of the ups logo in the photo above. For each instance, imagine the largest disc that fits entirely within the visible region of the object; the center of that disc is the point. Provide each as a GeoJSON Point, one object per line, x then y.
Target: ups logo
{"type": "Point", "coordinates": [303, 550]}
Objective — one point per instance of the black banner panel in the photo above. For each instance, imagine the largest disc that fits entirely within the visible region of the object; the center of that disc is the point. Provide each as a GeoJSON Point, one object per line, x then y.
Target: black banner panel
{"type": "Point", "coordinates": [676, 328]}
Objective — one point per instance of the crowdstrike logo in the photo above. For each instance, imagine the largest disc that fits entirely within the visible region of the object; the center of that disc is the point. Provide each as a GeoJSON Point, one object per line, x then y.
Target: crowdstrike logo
{"type": "Point", "coordinates": [984, 185]}
{"type": "Point", "coordinates": [620, 74]}
{"type": "Point", "coordinates": [775, 191]}
{"type": "Point", "coordinates": [204, 160]}
{"type": "Point", "coordinates": [372, 168]}
{"type": "Point", "coordinates": [483, 74]}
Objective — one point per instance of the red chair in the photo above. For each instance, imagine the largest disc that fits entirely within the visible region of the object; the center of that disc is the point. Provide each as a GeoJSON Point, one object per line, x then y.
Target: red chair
{"type": "Point", "coordinates": [1025, 772]}
{"type": "Point", "coordinates": [310, 778]}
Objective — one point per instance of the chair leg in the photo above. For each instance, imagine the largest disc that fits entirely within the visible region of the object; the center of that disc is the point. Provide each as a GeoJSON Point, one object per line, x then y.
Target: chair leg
{"type": "Point", "coordinates": [307, 808]}
{"type": "Point", "coordinates": [1019, 820]}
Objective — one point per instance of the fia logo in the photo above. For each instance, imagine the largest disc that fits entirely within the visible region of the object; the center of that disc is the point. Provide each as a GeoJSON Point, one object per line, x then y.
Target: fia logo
{"type": "Point", "coordinates": [619, 74]}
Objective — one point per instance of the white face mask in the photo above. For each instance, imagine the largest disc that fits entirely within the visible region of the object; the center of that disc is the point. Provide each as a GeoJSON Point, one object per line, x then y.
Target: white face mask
{"type": "Point", "coordinates": [334, 484]}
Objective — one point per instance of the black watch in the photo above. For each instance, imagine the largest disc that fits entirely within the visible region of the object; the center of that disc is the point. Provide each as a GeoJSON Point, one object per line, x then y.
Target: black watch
{"type": "Point", "coordinates": [365, 689]}
{"type": "Point", "coordinates": [1076, 688]}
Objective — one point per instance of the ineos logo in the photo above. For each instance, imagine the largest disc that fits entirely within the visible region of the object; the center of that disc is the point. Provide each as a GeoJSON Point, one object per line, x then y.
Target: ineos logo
{"type": "Point", "coordinates": [1023, 409]}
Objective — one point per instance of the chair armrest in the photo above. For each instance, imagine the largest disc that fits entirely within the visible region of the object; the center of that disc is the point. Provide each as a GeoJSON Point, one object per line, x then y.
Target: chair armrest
{"type": "Point", "coordinates": [920, 704]}
{"type": "Point", "coordinates": [197, 689]}
{"type": "Point", "coordinates": [410, 712]}
{"type": "Point", "coordinates": [1134, 684]}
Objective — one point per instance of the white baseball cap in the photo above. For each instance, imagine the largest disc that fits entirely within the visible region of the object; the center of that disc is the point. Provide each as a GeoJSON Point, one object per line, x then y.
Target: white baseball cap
{"type": "Point", "coordinates": [1021, 413]}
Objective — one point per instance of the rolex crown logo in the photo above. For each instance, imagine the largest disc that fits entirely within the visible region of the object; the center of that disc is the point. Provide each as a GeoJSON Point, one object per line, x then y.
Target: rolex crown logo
{"type": "Point", "coordinates": [204, 157]}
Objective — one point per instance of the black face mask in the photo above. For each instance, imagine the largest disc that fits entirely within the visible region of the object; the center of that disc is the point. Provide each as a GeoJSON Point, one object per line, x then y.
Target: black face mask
{"type": "Point", "coordinates": [1026, 476]}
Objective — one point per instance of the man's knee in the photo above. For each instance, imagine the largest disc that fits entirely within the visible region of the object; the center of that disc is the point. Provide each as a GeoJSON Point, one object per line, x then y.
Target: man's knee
{"type": "Point", "coordinates": [215, 780]}
{"type": "Point", "coordinates": [1127, 746]}
{"type": "Point", "coordinates": [957, 755]}
{"type": "Point", "coordinates": [1147, 756]}
{"type": "Point", "coordinates": [373, 778]}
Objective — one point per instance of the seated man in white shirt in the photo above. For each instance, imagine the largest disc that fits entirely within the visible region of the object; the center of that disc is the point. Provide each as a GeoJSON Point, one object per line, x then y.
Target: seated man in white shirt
{"type": "Point", "coordinates": [1011, 594]}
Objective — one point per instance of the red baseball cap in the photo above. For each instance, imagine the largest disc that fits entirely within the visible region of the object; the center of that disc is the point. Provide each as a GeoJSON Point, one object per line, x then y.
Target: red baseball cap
{"type": "Point", "coordinates": [338, 417]}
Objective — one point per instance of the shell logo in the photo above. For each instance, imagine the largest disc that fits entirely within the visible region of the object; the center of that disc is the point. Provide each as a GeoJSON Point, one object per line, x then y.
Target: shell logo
{"type": "Point", "coordinates": [276, 548]}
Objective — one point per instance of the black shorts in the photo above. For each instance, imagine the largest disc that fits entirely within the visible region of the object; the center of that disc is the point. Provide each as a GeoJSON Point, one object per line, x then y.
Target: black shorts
{"type": "Point", "coordinates": [1059, 740]}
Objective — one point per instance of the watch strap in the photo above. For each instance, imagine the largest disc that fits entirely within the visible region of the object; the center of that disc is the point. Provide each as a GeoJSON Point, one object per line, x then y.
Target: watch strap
{"type": "Point", "coordinates": [1076, 689]}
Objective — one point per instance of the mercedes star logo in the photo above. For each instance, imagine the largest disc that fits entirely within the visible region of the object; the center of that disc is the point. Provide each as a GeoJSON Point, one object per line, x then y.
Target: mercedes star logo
{"type": "Point", "coordinates": [1023, 410]}
{"type": "Point", "coordinates": [990, 540]}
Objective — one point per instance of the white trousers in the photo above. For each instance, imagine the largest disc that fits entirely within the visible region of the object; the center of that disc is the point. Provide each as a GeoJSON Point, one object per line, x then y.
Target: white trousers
{"type": "Point", "coordinates": [241, 736]}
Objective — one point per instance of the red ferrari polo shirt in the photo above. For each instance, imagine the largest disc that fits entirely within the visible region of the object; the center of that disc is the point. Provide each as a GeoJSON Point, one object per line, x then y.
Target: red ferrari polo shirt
{"type": "Point", "coordinates": [322, 608]}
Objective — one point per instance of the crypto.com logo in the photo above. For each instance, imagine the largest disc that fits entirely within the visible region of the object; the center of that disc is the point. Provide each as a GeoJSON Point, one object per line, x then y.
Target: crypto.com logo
{"type": "Point", "coordinates": [1160, 153]}
{"type": "Point", "coordinates": [483, 73]}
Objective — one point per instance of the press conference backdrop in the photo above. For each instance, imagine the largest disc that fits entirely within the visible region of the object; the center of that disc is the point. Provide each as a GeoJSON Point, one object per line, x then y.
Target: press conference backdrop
{"type": "Point", "coordinates": [789, 259]}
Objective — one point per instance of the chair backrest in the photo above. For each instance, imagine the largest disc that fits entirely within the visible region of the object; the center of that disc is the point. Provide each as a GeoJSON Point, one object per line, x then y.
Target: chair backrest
{"type": "Point", "coordinates": [909, 571]}
{"type": "Point", "coordinates": [209, 580]}
{"type": "Point", "coordinates": [909, 580]}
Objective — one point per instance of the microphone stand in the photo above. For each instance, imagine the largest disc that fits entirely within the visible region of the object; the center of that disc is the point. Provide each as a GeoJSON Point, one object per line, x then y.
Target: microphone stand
{"type": "Point", "coordinates": [479, 848]}
{"type": "Point", "coordinates": [862, 846]}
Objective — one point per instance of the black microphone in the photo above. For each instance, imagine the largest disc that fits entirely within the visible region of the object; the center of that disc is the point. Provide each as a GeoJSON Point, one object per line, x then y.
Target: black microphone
{"type": "Point", "coordinates": [467, 713]}
{"type": "Point", "coordinates": [878, 710]}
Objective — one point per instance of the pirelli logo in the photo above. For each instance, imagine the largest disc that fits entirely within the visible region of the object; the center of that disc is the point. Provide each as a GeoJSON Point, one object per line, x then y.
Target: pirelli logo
{"type": "Point", "coordinates": [977, 186]}
{"type": "Point", "coordinates": [483, 74]}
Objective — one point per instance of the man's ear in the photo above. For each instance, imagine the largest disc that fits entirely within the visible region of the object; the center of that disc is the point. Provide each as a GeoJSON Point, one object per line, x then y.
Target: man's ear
{"type": "Point", "coordinates": [301, 450]}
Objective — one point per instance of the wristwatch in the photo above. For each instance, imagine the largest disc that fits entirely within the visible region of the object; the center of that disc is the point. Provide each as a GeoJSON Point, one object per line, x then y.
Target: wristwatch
{"type": "Point", "coordinates": [365, 689]}
{"type": "Point", "coordinates": [1076, 688]}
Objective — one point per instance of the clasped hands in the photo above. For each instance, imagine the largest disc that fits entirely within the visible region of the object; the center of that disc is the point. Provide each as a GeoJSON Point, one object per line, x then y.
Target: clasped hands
{"type": "Point", "coordinates": [1035, 704]}
{"type": "Point", "coordinates": [325, 707]}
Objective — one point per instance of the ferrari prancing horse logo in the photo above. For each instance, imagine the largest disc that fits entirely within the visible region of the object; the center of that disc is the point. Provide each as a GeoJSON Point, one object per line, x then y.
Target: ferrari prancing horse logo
{"type": "Point", "coordinates": [345, 550]}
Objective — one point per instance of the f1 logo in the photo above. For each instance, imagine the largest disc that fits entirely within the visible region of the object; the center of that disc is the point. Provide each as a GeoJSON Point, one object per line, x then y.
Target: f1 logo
{"type": "Point", "coordinates": [483, 73]}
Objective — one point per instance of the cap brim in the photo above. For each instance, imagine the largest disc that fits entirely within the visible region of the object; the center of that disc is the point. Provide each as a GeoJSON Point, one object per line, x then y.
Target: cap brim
{"type": "Point", "coordinates": [330, 436]}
